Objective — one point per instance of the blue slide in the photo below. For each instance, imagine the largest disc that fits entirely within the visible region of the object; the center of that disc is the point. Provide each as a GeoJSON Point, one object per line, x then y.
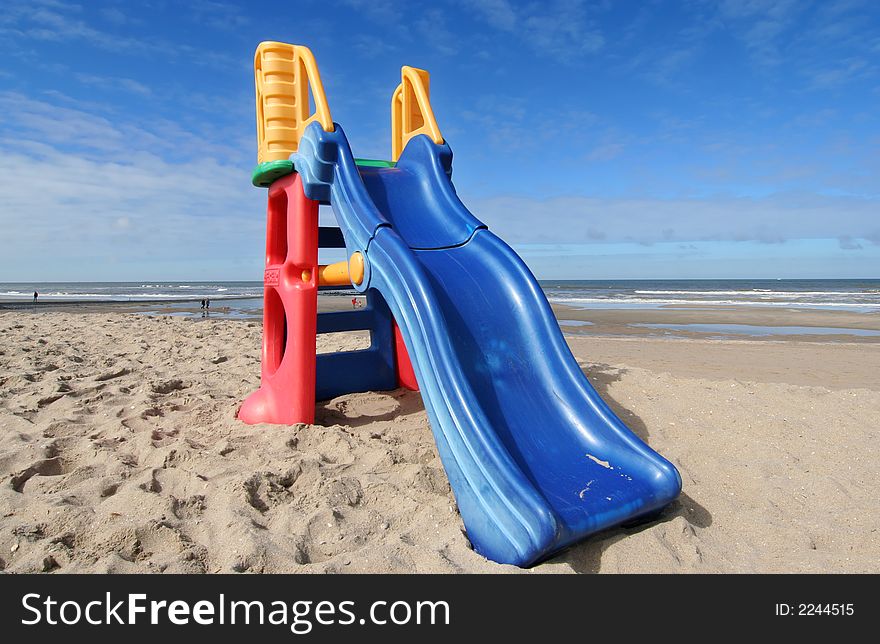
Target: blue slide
{"type": "Point", "coordinates": [536, 459]}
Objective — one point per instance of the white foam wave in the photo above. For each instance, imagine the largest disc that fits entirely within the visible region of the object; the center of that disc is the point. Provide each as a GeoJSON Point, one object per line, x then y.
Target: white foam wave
{"type": "Point", "coordinates": [717, 302]}
{"type": "Point", "coordinates": [753, 291]}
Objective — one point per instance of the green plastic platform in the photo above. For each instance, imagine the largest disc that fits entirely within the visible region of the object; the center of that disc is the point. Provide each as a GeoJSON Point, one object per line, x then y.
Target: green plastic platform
{"type": "Point", "coordinates": [269, 171]}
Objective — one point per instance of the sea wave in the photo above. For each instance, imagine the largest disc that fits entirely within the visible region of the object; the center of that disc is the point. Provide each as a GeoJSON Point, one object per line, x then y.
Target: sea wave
{"type": "Point", "coordinates": [753, 291]}
{"type": "Point", "coordinates": [586, 301]}
{"type": "Point", "coordinates": [129, 296]}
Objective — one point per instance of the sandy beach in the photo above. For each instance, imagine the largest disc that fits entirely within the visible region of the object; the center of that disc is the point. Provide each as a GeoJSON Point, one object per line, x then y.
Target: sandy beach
{"type": "Point", "coordinates": [120, 451]}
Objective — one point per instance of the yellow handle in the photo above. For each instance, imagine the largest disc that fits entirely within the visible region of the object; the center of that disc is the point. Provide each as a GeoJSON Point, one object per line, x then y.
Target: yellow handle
{"type": "Point", "coordinates": [283, 74]}
{"type": "Point", "coordinates": [342, 273]}
{"type": "Point", "coordinates": [411, 112]}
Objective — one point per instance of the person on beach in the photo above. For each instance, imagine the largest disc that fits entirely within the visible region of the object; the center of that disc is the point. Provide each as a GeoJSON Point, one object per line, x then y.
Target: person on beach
{"type": "Point", "coordinates": [36, 295]}
{"type": "Point", "coordinates": [207, 304]}
{"type": "Point", "coordinates": [203, 303]}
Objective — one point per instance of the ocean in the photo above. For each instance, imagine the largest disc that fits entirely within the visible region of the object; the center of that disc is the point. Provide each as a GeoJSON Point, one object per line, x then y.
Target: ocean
{"type": "Point", "coordinates": [852, 295]}
{"type": "Point", "coordinates": [128, 291]}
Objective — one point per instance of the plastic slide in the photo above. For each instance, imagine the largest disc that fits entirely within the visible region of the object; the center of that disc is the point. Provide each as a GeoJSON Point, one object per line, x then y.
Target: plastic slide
{"type": "Point", "coordinates": [536, 458]}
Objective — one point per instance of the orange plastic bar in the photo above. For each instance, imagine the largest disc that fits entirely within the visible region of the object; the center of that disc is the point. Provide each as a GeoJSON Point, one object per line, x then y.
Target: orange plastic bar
{"type": "Point", "coordinates": [342, 273]}
{"type": "Point", "coordinates": [283, 74]}
{"type": "Point", "coordinates": [411, 112]}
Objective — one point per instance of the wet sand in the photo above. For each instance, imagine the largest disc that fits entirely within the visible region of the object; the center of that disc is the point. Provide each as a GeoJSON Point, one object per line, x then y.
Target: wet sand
{"type": "Point", "coordinates": [620, 321]}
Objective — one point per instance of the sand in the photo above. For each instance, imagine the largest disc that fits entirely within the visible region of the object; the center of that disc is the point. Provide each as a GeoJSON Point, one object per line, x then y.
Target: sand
{"type": "Point", "coordinates": [120, 452]}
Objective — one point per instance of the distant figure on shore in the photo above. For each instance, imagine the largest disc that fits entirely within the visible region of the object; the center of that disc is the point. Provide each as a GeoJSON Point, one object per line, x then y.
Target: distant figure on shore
{"type": "Point", "coordinates": [203, 303]}
{"type": "Point", "coordinates": [36, 295]}
{"type": "Point", "coordinates": [207, 303]}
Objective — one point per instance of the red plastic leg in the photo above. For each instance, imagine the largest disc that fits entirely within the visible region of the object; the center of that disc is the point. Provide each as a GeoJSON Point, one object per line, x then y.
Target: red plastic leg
{"type": "Point", "coordinates": [406, 376]}
{"type": "Point", "coordinates": [290, 310]}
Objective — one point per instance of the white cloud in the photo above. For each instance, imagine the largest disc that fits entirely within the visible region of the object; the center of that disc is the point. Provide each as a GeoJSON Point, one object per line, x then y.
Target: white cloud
{"type": "Point", "coordinates": [53, 21]}
{"type": "Point", "coordinates": [81, 189]}
{"type": "Point", "coordinates": [113, 83]}
{"type": "Point", "coordinates": [606, 151]}
{"type": "Point", "coordinates": [433, 28]}
{"type": "Point", "coordinates": [500, 14]}
{"type": "Point", "coordinates": [559, 29]}
{"type": "Point", "coordinates": [772, 219]}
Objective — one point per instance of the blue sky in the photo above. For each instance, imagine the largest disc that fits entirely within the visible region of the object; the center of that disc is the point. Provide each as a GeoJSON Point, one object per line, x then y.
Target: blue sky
{"type": "Point", "coordinates": [735, 138]}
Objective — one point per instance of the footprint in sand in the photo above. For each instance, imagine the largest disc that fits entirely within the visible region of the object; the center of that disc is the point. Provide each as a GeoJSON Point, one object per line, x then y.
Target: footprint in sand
{"type": "Point", "coordinates": [110, 375]}
{"type": "Point", "coordinates": [46, 467]}
{"type": "Point", "coordinates": [168, 386]}
{"type": "Point", "coordinates": [151, 412]}
{"type": "Point", "coordinates": [153, 484]}
{"type": "Point", "coordinates": [266, 490]}
{"type": "Point", "coordinates": [48, 400]}
{"type": "Point", "coordinates": [160, 438]}
{"type": "Point", "coordinates": [137, 423]}
{"type": "Point", "coordinates": [323, 537]}
{"type": "Point", "coordinates": [63, 428]}
{"type": "Point", "coordinates": [190, 508]}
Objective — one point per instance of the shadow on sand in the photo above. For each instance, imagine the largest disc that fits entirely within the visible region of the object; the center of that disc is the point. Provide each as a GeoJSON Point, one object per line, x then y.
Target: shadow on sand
{"type": "Point", "coordinates": [341, 412]}
{"type": "Point", "coordinates": [586, 557]}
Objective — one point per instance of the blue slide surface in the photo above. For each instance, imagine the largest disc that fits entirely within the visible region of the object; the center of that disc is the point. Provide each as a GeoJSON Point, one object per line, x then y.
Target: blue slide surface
{"type": "Point", "coordinates": [536, 459]}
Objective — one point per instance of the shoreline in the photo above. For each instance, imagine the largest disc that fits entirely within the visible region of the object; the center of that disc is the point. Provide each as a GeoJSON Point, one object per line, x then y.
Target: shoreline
{"type": "Point", "coordinates": [735, 323]}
